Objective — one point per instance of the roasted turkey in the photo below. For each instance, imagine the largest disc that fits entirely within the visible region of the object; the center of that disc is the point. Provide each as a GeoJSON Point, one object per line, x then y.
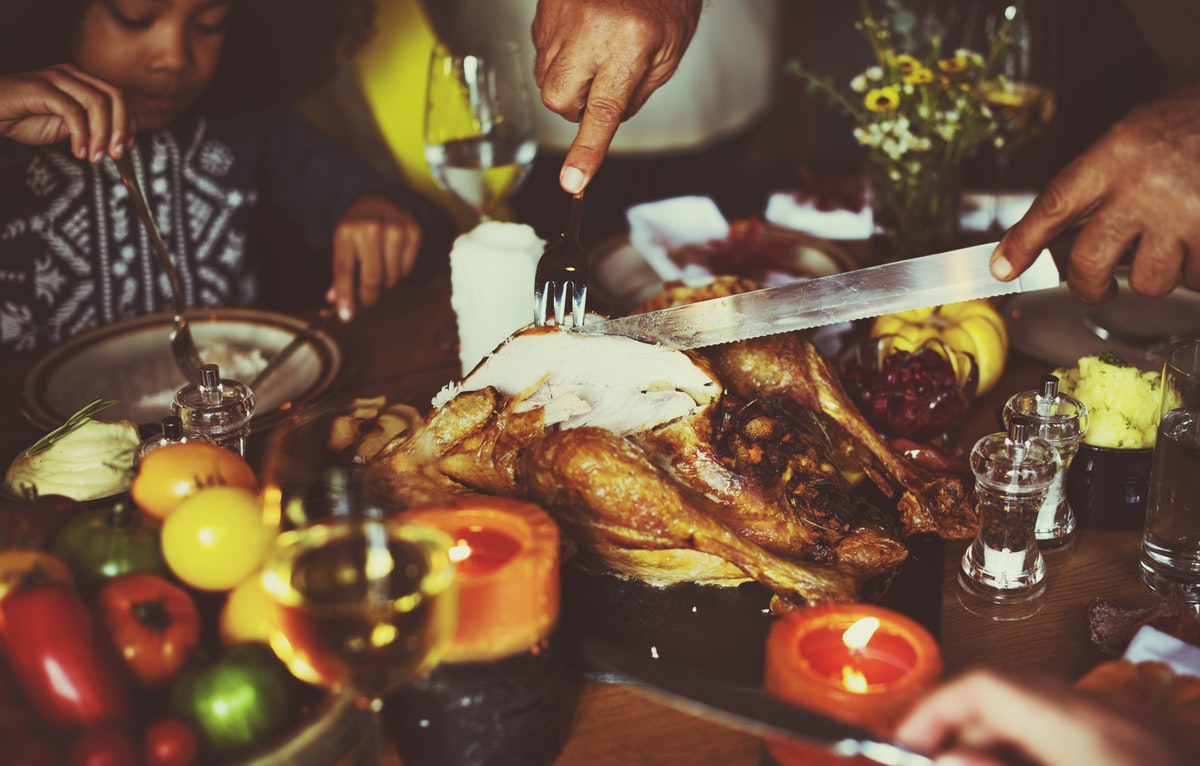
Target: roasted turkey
{"type": "Point", "coordinates": [672, 466]}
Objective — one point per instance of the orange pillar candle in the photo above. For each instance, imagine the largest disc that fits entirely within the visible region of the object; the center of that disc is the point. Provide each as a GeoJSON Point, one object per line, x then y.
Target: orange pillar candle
{"type": "Point", "coordinates": [859, 663]}
{"type": "Point", "coordinates": [506, 555]}
{"type": "Point", "coordinates": [500, 694]}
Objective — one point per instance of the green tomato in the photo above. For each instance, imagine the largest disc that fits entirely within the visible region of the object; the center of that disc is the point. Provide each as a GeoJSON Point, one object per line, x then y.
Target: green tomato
{"type": "Point", "coordinates": [237, 701]}
{"type": "Point", "coordinates": [101, 544]}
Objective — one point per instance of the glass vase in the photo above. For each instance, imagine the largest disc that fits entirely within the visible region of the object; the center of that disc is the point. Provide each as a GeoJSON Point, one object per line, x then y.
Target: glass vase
{"type": "Point", "coordinates": [915, 213]}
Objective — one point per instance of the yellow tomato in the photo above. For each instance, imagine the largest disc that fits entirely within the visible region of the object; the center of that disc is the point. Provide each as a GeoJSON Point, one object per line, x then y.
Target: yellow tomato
{"type": "Point", "coordinates": [974, 327]}
{"type": "Point", "coordinates": [246, 614]}
{"type": "Point", "coordinates": [170, 474]}
{"type": "Point", "coordinates": [216, 538]}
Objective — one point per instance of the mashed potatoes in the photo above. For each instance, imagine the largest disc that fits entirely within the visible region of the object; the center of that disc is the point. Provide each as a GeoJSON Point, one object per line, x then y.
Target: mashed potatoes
{"type": "Point", "coordinates": [1122, 401]}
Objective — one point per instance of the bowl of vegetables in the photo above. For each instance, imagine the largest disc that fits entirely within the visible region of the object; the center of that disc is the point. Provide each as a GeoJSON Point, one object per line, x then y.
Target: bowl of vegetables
{"type": "Point", "coordinates": [132, 633]}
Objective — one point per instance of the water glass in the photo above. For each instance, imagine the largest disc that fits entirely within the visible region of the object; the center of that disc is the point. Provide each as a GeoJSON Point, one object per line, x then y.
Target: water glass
{"type": "Point", "coordinates": [1171, 540]}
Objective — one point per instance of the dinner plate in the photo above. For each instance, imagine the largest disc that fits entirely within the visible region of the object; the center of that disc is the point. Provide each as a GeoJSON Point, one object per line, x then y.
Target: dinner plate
{"type": "Point", "coordinates": [1052, 326]}
{"type": "Point", "coordinates": [130, 361]}
{"type": "Point", "coordinates": [621, 278]}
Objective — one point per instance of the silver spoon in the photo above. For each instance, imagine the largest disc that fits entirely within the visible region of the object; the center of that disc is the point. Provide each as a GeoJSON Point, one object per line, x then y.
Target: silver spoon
{"type": "Point", "coordinates": [1148, 342]}
{"type": "Point", "coordinates": [183, 346]}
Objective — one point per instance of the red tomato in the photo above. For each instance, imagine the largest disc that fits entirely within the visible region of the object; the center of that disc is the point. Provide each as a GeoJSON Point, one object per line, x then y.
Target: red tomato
{"type": "Point", "coordinates": [59, 659]}
{"type": "Point", "coordinates": [33, 520]}
{"type": "Point", "coordinates": [170, 742]}
{"type": "Point", "coordinates": [103, 746]}
{"type": "Point", "coordinates": [169, 475]}
{"type": "Point", "coordinates": [153, 624]}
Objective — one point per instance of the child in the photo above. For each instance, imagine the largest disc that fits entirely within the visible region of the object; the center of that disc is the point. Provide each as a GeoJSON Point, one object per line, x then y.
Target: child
{"type": "Point", "coordinates": [197, 91]}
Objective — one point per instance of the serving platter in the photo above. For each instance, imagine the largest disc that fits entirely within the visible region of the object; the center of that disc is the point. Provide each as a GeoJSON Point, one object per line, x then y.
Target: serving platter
{"type": "Point", "coordinates": [130, 361]}
{"type": "Point", "coordinates": [1051, 325]}
{"type": "Point", "coordinates": [621, 278]}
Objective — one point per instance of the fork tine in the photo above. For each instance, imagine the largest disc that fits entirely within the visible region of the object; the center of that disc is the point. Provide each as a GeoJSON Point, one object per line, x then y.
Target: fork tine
{"type": "Point", "coordinates": [578, 304]}
{"type": "Point", "coordinates": [539, 302]}
{"type": "Point", "coordinates": [560, 301]}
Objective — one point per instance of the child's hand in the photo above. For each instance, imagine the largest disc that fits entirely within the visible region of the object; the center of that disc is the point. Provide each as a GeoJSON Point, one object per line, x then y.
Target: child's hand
{"type": "Point", "coordinates": [50, 105]}
{"type": "Point", "coordinates": [377, 240]}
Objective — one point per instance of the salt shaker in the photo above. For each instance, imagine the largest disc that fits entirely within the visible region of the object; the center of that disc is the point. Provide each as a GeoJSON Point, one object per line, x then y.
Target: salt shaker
{"type": "Point", "coordinates": [1003, 569]}
{"type": "Point", "coordinates": [172, 433]}
{"type": "Point", "coordinates": [1061, 420]}
{"type": "Point", "coordinates": [217, 408]}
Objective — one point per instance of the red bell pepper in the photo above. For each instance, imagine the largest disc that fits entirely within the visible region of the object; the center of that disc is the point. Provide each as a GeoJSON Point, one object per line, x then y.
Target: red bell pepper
{"type": "Point", "coordinates": [152, 623]}
{"type": "Point", "coordinates": [66, 672]}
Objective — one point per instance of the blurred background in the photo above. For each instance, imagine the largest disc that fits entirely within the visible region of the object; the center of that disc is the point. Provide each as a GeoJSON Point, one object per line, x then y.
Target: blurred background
{"type": "Point", "coordinates": [732, 124]}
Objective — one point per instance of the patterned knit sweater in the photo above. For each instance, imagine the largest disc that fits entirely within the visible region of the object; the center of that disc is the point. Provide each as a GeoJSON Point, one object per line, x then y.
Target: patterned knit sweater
{"type": "Point", "coordinates": [73, 254]}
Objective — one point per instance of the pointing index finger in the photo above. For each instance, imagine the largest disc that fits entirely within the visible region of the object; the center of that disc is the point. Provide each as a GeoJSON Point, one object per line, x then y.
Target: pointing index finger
{"type": "Point", "coordinates": [608, 101]}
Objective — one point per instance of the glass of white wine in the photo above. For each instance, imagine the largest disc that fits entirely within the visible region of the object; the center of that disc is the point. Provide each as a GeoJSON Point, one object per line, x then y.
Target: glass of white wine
{"type": "Point", "coordinates": [480, 135]}
{"type": "Point", "coordinates": [361, 606]}
{"type": "Point", "coordinates": [1022, 104]}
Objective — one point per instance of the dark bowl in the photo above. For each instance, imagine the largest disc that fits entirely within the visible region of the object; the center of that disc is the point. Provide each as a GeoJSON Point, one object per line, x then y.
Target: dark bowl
{"type": "Point", "coordinates": [1107, 487]}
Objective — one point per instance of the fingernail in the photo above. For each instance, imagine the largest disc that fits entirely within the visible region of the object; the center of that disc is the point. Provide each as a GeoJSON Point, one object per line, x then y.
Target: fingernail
{"type": "Point", "coordinates": [1001, 268]}
{"type": "Point", "coordinates": [98, 157]}
{"type": "Point", "coordinates": [81, 152]}
{"type": "Point", "coordinates": [571, 180]}
{"type": "Point", "coordinates": [345, 312]}
{"type": "Point", "coordinates": [116, 151]}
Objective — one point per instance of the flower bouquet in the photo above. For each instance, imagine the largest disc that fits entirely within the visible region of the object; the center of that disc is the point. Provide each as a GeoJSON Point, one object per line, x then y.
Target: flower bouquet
{"type": "Point", "coordinates": [920, 111]}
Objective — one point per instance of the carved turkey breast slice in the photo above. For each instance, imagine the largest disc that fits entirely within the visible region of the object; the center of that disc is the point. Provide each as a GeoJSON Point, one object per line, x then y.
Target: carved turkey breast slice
{"type": "Point", "coordinates": [607, 381]}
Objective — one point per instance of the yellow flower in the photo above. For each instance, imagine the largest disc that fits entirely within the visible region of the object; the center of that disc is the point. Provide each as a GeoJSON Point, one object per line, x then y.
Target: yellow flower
{"type": "Point", "coordinates": [919, 76]}
{"type": "Point", "coordinates": [882, 99]}
{"type": "Point", "coordinates": [906, 63]}
{"type": "Point", "coordinates": [953, 65]}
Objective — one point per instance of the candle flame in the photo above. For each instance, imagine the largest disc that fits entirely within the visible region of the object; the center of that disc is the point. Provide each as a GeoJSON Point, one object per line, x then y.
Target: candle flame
{"type": "Point", "coordinates": [858, 635]}
{"type": "Point", "coordinates": [854, 680]}
{"type": "Point", "coordinates": [460, 551]}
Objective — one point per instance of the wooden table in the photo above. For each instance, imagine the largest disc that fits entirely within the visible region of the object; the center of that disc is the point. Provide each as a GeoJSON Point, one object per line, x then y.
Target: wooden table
{"type": "Point", "coordinates": [406, 338]}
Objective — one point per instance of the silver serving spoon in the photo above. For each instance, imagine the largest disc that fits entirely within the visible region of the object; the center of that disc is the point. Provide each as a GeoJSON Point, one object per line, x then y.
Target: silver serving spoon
{"type": "Point", "coordinates": [183, 346]}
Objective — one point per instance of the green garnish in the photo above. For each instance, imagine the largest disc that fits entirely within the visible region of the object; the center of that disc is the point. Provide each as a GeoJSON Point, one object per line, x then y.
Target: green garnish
{"type": "Point", "coordinates": [72, 423]}
{"type": "Point", "coordinates": [1109, 357]}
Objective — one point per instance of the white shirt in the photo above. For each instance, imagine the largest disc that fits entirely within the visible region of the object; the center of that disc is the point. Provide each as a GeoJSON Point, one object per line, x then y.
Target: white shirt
{"type": "Point", "coordinates": [722, 84]}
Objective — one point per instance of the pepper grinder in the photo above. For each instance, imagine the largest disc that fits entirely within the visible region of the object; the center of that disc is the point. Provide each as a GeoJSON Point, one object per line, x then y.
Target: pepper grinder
{"type": "Point", "coordinates": [1003, 569]}
{"type": "Point", "coordinates": [172, 433]}
{"type": "Point", "coordinates": [217, 408]}
{"type": "Point", "coordinates": [1061, 420]}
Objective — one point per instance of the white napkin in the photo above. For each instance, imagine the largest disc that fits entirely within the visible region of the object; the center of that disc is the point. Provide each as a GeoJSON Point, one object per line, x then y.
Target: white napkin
{"type": "Point", "coordinates": [784, 210]}
{"type": "Point", "coordinates": [656, 228]}
{"type": "Point", "coordinates": [976, 213]}
{"type": "Point", "coordinates": [1151, 644]}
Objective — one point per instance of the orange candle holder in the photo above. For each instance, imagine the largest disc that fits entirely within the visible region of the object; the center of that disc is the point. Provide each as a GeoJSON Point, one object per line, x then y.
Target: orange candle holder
{"type": "Point", "coordinates": [858, 663]}
{"type": "Point", "coordinates": [507, 561]}
{"type": "Point", "coordinates": [500, 694]}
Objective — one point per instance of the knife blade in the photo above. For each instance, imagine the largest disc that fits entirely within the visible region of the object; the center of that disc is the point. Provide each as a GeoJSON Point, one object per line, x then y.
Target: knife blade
{"type": "Point", "coordinates": [745, 708]}
{"type": "Point", "coordinates": [949, 277]}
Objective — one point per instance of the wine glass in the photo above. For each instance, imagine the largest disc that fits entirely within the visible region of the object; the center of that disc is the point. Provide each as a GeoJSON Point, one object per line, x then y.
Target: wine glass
{"type": "Point", "coordinates": [1021, 104]}
{"type": "Point", "coordinates": [361, 605]}
{"type": "Point", "coordinates": [480, 139]}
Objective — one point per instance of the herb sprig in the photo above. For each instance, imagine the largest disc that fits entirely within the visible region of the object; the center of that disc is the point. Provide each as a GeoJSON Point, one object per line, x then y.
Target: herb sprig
{"type": "Point", "coordinates": [73, 423]}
